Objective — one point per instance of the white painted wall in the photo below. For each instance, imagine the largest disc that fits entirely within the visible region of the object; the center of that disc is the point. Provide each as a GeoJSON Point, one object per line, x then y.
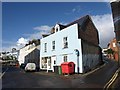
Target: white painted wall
{"type": "Point", "coordinates": [23, 52]}
{"type": "Point", "coordinates": [73, 43]}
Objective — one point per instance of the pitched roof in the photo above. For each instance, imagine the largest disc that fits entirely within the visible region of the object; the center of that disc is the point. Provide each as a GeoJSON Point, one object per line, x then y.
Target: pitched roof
{"type": "Point", "coordinates": [61, 26]}
{"type": "Point", "coordinates": [79, 21]}
{"type": "Point", "coordinates": [45, 35]}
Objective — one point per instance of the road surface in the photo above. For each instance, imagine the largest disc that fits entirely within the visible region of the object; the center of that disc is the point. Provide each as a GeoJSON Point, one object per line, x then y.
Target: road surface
{"type": "Point", "coordinates": [14, 77]}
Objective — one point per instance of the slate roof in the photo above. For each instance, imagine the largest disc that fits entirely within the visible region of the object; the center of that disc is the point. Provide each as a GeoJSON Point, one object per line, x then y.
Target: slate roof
{"type": "Point", "coordinates": [79, 21]}
{"type": "Point", "coordinates": [62, 26]}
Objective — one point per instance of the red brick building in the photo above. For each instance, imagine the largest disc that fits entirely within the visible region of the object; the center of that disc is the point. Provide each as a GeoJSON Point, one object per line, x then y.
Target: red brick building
{"type": "Point", "coordinates": [115, 6]}
{"type": "Point", "coordinates": [113, 45]}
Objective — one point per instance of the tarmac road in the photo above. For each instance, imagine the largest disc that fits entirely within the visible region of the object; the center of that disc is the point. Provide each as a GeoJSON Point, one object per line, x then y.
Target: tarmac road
{"type": "Point", "coordinates": [15, 77]}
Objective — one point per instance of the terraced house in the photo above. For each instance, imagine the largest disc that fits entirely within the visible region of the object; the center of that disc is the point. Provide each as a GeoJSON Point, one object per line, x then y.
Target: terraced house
{"type": "Point", "coordinates": [61, 45]}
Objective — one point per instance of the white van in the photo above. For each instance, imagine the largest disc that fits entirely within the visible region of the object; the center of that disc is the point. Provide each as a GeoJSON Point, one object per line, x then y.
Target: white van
{"type": "Point", "coordinates": [30, 67]}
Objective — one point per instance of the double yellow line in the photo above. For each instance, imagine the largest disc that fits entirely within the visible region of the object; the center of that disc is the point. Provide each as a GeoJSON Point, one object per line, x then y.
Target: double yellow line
{"type": "Point", "coordinates": [107, 86]}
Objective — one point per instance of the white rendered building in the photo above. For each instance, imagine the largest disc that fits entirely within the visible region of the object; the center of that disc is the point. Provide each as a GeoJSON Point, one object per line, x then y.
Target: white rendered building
{"type": "Point", "coordinates": [61, 45]}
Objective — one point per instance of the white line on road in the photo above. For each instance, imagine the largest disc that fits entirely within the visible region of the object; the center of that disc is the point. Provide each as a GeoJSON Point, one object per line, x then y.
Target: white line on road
{"type": "Point", "coordinates": [3, 73]}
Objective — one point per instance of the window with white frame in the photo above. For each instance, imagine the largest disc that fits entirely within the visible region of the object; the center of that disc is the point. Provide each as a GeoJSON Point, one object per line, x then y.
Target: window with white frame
{"type": "Point", "coordinates": [65, 42]}
{"type": "Point", "coordinates": [53, 45]}
{"type": "Point", "coordinates": [65, 58]}
{"type": "Point", "coordinates": [45, 47]}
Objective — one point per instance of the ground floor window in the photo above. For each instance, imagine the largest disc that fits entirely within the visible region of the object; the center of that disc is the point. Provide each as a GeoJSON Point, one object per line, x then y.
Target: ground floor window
{"type": "Point", "coordinates": [65, 58]}
{"type": "Point", "coordinates": [44, 63]}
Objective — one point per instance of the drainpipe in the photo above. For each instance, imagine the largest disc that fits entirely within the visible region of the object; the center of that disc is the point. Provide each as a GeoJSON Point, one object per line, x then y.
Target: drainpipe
{"type": "Point", "coordinates": [77, 53]}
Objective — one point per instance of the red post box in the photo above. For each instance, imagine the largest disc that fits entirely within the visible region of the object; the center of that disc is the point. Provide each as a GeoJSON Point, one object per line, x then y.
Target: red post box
{"type": "Point", "coordinates": [68, 67]}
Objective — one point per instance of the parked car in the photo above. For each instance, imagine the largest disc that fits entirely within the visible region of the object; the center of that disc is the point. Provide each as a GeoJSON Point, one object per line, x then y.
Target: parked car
{"type": "Point", "coordinates": [30, 67]}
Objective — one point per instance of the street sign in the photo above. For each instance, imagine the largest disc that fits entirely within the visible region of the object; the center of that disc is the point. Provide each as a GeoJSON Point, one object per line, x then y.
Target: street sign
{"type": "Point", "coordinates": [77, 52]}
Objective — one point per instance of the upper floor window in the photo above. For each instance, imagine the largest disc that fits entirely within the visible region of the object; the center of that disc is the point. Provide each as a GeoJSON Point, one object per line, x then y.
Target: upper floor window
{"type": "Point", "coordinates": [53, 45]}
{"type": "Point", "coordinates": [65, 42]}
{"type": "Point", "coordinates": [45, 47]}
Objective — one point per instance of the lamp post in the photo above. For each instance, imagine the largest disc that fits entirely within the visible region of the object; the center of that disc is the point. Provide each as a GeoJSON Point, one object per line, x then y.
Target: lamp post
{"type": "Point", "coordinates": [77, 53]}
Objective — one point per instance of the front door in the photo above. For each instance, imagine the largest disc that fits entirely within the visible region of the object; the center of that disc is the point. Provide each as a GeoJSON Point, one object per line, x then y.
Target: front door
{"type": "Point", "coordinates": [53, 58]}
{"type": "Point", "coordinates": [49, 64]}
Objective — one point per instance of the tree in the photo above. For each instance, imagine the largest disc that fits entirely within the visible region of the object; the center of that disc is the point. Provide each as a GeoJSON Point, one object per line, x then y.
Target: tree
{"type": "Point", "coordinates": [35, 41]}
{"type": "Point", "coordinates": [14, 49]}
{"type": "Point", "coordinates": [110, 51]}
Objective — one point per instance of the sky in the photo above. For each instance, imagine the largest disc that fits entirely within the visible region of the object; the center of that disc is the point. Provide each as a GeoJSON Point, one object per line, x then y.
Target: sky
{"type": "Point", "coordinates": [24, 21]}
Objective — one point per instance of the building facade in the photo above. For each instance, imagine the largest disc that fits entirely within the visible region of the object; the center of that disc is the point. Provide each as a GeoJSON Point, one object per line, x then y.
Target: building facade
{"type": "Point", "coordinates": [115, 6]}
{"type": "Point", "coordinates": [29, 54]}
{"type": "Point", "coordinates": [61, 45]}
{"type": "Point", "coordinates": [113, 45]}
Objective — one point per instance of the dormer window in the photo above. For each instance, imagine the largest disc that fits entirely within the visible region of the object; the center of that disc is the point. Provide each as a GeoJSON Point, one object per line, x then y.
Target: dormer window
{"type": "Point", "coordinates": [57, 28]}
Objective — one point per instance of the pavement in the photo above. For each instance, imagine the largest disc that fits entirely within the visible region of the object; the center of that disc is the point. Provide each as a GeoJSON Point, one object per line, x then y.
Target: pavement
{"type": "Point", "coordinates": [72, 76]}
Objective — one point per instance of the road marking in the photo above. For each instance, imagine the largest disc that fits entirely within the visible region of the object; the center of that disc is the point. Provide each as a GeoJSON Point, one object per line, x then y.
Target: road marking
{"type": "Point", "coordinates": [107, 86]}
{"type": "Point", "coordinates": [112, 80]}
{"type": "Point", "coordinates": [3, 73]}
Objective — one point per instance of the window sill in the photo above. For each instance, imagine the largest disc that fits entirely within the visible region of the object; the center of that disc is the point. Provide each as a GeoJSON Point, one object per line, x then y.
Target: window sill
{"type": "Point", "coordinates": [65, 48]}
{"type": "Point", "coordinates": [53, 50]}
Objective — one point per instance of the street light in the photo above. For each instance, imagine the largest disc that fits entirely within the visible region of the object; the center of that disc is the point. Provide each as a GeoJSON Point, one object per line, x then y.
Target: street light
{"type": "Point", "coordinates": [77, 53]}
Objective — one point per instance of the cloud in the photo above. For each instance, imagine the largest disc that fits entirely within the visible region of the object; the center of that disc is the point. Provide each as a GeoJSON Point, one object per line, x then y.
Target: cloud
{"type": "Point", "coordinates": [37, 35]}
{"type": "Point", "coordinates": [8, 45]}
{"type": "Point", "coordinates": [43, 28]}
{"type": "Point", "coordinates": [22, 41]}
{"type": "Point", "coordinates": [76, 9]}
{"type": "Point", "coordinates": [105, 26]}
{"type": "Point", "coordinates": [114, 0]}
